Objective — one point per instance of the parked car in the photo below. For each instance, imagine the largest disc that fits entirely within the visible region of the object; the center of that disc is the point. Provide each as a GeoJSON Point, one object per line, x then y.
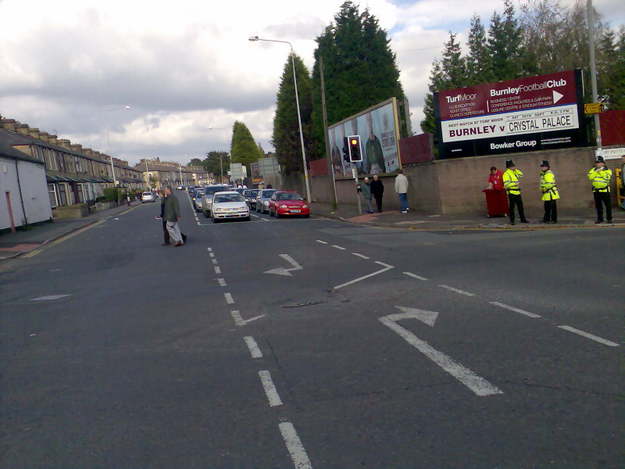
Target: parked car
{"type": "Point", "coordinates": [262, 200]}
{"type": "Point", "coordinates": [148, 197]}
{"type": "Point", "coordinates": [207, 199]}
{"type": "Point", "coordinates": [180, 188]}
{"type": "Point", "coordinates": [196, 198]}
{"type": "Point", "coordinates": [250, 197]}
{"type": "Point", "coordinates": [286, 203]}
{"type": "Point", "coordinates": [229, 205]}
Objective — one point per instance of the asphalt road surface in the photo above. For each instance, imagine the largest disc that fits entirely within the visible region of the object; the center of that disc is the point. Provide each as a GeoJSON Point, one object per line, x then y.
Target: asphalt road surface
{"type": "Point", "coordinates": [312, 343]}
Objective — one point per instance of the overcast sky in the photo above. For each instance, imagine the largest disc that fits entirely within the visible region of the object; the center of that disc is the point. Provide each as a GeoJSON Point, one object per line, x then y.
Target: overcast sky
{"type": "Point", "coordinates": [139, 78]}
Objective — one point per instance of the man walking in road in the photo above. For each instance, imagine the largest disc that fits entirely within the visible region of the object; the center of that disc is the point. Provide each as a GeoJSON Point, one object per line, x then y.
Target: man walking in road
{"type": "Point", "coordinates": [550, 193]}
{"type": "Point", "coordinates": [600, 177]}
{"type": "Point", "coordinates": [365, 191]}
{"type": "Point", "coordinates": [377, 189]}
{"type": "Point", "coordinates": [512, 185]}
{"type": "Point", "coordinates": [166, 240]}
{"type": "Point", "coordinates": [171, 214]}
{"type": "Point", "coordinates": [401, 187]}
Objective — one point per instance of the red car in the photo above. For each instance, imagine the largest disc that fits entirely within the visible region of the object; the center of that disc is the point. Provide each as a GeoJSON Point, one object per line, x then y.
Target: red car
{"type": "Point", "coordinates": [286, 203]}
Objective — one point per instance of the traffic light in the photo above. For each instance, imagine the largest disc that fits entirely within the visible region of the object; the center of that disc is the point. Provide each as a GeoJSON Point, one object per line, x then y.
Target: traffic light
{"type": "Point", "coordinates": [346, 149]}
{"type": "Point", "coordinates": [355, 152]}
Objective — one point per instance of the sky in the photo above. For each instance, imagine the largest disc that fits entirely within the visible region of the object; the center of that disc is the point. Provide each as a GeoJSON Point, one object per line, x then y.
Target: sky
{"type": "Point", "coordinates": [144, 79]}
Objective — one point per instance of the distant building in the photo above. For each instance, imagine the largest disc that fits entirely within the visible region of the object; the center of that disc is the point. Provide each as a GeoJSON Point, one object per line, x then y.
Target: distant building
{"type": "Point", "coordinates": [158, 174]}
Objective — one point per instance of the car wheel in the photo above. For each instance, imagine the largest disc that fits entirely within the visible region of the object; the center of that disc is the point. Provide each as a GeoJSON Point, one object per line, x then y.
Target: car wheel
{"type": "Point", "coordinates": [207, 214]}
{"type": "Point", "coordinates": [215, 220]}
{"type": "Point", "coordinates": [307, 216]}
{"type": "Point", "coordinates": [246, 219]}
{"type": "Point", "coordinates": [278, 215]}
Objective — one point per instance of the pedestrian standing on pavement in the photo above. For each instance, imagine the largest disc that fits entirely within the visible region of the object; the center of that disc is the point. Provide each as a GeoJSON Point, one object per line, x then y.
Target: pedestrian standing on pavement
{"type": "Point", "coordinates": [171, 214]}
{"type": "Point", "coordinates": [377, 190]}
{"type": "Point", "coordinates": [600, 177]}
{"type": "Point", "coordinates": [550, 193]}
{"type": "Point", "coordinates": [365, 192]}
{"type": "Point", "coordinates": [512, 184]}
{"type": "Point", "coordinates": [401, 187]}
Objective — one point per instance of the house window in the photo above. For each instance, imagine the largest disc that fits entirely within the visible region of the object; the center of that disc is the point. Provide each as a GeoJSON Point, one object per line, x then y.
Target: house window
{"type": "Point", "coordinates": [54, 201]}
{"type": "Point", "coordinates": [62, 195]}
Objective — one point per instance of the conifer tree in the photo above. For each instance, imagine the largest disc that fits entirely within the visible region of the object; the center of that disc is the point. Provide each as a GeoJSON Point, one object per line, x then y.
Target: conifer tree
{"type": "Point", "coordinates": [478, 66]}
{"type": "Point", "coordinates": [505, 44]}
{"type": "Point", "coordinates": [243, 148]}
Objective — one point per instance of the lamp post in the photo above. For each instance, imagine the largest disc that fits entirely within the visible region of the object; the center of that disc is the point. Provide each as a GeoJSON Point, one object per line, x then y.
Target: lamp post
{"type": "Point", "coordinates": [126, 108]}
{"type": "Point", "coordinates": [593, 66]}
{"type": "Point", "coordinates": [299, 116]}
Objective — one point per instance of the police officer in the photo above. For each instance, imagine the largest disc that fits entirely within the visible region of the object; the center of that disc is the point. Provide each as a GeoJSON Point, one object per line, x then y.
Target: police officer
{"type": "Point", "coordinates": [550, 193]}
{"type": "Point", "coordinates": [600, 177]}
{"type": "Point", "coordinates": [512, 185]}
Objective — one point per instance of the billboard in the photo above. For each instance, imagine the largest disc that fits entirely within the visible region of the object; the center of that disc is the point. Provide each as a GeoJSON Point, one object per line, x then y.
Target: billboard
{"type": "Point", "coordinates": [535, 113]}
{"type": "Point", "coordinates": [378, 129]}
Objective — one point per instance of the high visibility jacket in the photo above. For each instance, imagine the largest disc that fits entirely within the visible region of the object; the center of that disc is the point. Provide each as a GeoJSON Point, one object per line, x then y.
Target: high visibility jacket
{"type": "Point", "coordinates": [548, 186]}
{"type": "Point", "coordinates": [512, 181]}
{"type": "Point", "coordinates": [600, 179]}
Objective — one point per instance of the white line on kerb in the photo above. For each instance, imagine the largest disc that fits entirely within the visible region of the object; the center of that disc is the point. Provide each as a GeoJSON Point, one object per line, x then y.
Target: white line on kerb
{"type": "Point", "coordinates": [253, 347]}
{"type": "Point", "coordinates": [295, 446]}
{"type": "Point", "coordinates": [590, 336]}
{"type": "Point", "coordinates": [516, 310]}
{"type": "Point", "coordinates": [457, 290]}
{"type": "Point", "coordinates": [229, 298]}
{"type": "Point", "coordinates": [418, 277]}
{"type": "Point", "coordinates": [217, 269]}
{"type": "Point", "coordinates": [338, 247]}
{"type": "Point", "coordinates": [221, 282]}
{"type": "Point", "coordinates": [362, 256]}
{"type": "Point", "coordinates": [322, 242]}
{"type": "Point", "coordinates": [364, 277]}
{"type": "Point", "coordinates": [270, 389]}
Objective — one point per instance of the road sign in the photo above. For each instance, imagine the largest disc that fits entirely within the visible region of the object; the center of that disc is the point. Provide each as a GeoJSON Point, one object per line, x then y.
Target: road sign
{"type": "Point", "coordinates": [593, 108]}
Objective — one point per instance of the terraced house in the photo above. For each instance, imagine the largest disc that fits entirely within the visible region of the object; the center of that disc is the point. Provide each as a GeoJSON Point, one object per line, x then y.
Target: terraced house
{"type": "Point", "coordinates": [74, 174]}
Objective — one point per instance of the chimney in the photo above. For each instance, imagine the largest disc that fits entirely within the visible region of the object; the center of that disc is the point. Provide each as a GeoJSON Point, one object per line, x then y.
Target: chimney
{"type": "Point", "coordinates": [8, 124]}
{"type": "Point", "coordinates": [33, 132]}
{"type": "Point", "coordinates": [76, 147]}
{"type": "Point", "coordinates": [88, 152]}
{"type": "Point", "coordinates": [53, 139]}
{"type": "Point", "coordinates": [43, 136]}
{"type": "Point", "coordinates": [64, 143]}
{"type": "Point", "coordinates": [22, 129]}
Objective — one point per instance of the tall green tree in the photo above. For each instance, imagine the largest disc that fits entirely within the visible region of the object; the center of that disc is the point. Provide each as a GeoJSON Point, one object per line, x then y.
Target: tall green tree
{"type": "Point", "coordinates": [243, 147]}
{"type": "Point", "coordinates": [195, 162]}
{"type": "Point", "coordinates": [286, 137]}
{"type": "Point", "coordinates": [360, 68]}
{"type": "Point", "coordinates": [453, 64]}
{"type": "Point", "coordinates": [478, 66]}
{"type": "Point", "coordinates": [437, 83]}
{"type": "Point", "coordinates": [505, 44]}
{"type": "Point", "coordinates": [617, 90]}
{"type": "Point", "coordinates": [212, 162]}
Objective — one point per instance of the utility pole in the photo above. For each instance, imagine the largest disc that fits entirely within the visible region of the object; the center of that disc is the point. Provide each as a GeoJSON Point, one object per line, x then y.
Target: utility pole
{"type": "Point", "coordinates": [221, 169]}
{"type": "Point", "coordinates": [147, 174]}
{"type": "Point", "coordinates": [593, 66]}
{"type": "Point", "coordinates": [326, 136]}
{"type": "Point", "coordinates": [180, 172]}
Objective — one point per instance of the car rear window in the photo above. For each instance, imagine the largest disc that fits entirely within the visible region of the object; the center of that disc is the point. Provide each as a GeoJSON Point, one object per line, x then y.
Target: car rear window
{"type": "Point", "coordinates": [212, 190]}
{"type": "Point", "coordinates": [229, 198]}
{"type": "Point", "coordinates": [267, 193]}
{"type": "Point", "coordinates": [289, 196]}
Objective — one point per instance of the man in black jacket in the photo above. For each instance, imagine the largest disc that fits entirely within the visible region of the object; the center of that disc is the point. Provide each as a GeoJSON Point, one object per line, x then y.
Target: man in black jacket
{"type": "Point", "coordinates": [377, 190]}
{"type": "Point", "coordinates": [166, 239]}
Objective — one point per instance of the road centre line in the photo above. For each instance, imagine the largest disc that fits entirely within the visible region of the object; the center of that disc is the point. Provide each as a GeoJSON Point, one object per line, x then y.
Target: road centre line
{"type": "Point", "coordinates": [270, 389]}
{"type": "Point", "coordinates": [590, 336]}
{"type": "Point", "coordinates": [456, 290]}
{"type": "Point", "coordinates": [253, 347]}
{"type": "Point", "coordinates": [294, 446]}
{"type": "Point", "coordinates": [217, 269]}
{"type": "Point", "coordinates": [222, 282]}
{"type": "Point", "coordinates": [362, 256]}
{"type": "Point", "coordinates": [364, 277]}
{"type": "Point", "coordinates": [321, 241]}
{"type": "Point", "coordinates": [418, 277]}
{"type": "Point", "coordinates": [475, 383]}
{"type": "Point", "coordinates": [214, 261]}
{"type": "Point", "coordinates": [229, 298]}
{"type": "Point", "coordinates": [335, 246]}
{"type": "Point", "coordinates": [211, 254]}
{"type": "Point", "coordinates": [516, 310]}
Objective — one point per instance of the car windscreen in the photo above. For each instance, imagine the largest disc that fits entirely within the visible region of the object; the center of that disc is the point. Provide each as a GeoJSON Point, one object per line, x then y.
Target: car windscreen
{"type": "Point", "coordinates": [199, 193]}
{"type": "Point", "coordinates": [250, 193]}
{"type": "Point", "coordinates": [147, 193]}
{"type": "Point", "coordinates": [212, 190]}
{"type": "Point", "coordinates": [289, 196]}
{"type": "Point", "coordinates": [267, 194]}
{"type": "Point", "coordinates": [228, 198]}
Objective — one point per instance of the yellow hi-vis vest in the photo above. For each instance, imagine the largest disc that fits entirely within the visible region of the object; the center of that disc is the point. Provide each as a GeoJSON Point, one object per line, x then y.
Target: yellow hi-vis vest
{"type": "Point", "coordinates": [548, 186]}
{"type": "Point", "coordinates": [600, 179]}
{"type": "Point", "coordinates": [512, 180]}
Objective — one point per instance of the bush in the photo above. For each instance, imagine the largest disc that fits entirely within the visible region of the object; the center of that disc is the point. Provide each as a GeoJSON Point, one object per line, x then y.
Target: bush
{"type": "Point", "coordinates": [112, 194]}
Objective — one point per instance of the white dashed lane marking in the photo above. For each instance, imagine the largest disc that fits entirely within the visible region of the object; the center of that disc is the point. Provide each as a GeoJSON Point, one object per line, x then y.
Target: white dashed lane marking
{"type": "Point", "coordinates": [322, 242]}
{"type": "Point", "coordinates": [217, 269]}
{"type": "Point", "coordinates": [294, 445]}
{"type": "Point", "coordinates": [418, 277]}
{"type": "Point", "coordinates": [516, 310]}
{"type": "Point", "coordinates": [362, 256]}
{"type": "Point", "coordinates": [253, 347]}
{"type": "Point", "coordinates": [270, 389]}
{"type": "Point", "coordinates": [590, 336]}
{"type": "Point", "coordinates": [457, 290]}
{"type": "Point", "coordinates": [229, 298]}
{"type": "Point", "coordinates": [222, 282]}
{"type": "Point", "coordinates": [341, 248]}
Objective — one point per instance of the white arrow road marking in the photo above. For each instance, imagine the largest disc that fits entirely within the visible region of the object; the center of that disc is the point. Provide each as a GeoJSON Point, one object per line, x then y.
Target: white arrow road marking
{"type": "Point", "coordinates": [270, 389]}
{"type": "Point", "coordinates": [295, 446]}
{"type": "Point", "coordinates": [49, 297]}
{"type": "Point", "coordinates": [590, 336]}
{"type": "Point", "coordinates": [282, 270]}
{"type": "Point", "coordinates": [239, 321]}
{"type": "Point", "coordinates": [364, 277]}
{"type": "Point", "coordinates": [253, 347]}
{"type": "Point", "coordinates": [475, 383]}
{"type": "Point", "coordinates": [556, 96]}
{"type": "Point", "coordinates": [426, 317]}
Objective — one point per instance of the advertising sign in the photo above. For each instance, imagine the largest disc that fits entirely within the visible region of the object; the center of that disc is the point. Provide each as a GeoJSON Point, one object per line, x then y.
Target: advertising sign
{"type": "Point", "coordinates": [535, 113]}
{"type": "Point", "coordinates": [379, 137]}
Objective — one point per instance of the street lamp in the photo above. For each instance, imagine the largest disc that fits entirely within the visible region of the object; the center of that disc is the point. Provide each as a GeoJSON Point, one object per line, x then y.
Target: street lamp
{"type": "Point", "coordinates": [126, 108]}
{"type": "Point", "coordinates": [299, 116]}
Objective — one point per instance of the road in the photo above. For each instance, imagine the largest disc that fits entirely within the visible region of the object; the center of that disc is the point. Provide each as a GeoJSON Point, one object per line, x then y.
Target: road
{"type": "Point", "coordinates": [313, 343]}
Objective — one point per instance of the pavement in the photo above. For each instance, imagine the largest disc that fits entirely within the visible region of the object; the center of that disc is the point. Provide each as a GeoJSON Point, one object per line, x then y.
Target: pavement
{"type": "Point", "coordinates": [415, 220]}
{"type": "Point", "coordinates": [35, 236]}
{"type": "Point", "coordinates": [301, 343]}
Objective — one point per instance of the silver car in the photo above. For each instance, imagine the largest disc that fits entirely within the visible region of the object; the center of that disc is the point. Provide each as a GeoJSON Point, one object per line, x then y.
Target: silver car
{"type": "Point", "coordinates": [229, 205]}
{"type": "Point", "coordinates": [207, 199]}
{"type": "Point", "coordinates": [262, 200]}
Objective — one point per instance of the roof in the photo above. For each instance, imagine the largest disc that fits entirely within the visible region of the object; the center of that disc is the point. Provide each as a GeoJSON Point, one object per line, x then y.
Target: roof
{"type": "Point", "coordinates": [7, 151]}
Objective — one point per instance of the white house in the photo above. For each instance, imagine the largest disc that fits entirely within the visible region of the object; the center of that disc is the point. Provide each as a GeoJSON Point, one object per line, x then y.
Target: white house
{"type": "Point", "coordinates": [23, 189]}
